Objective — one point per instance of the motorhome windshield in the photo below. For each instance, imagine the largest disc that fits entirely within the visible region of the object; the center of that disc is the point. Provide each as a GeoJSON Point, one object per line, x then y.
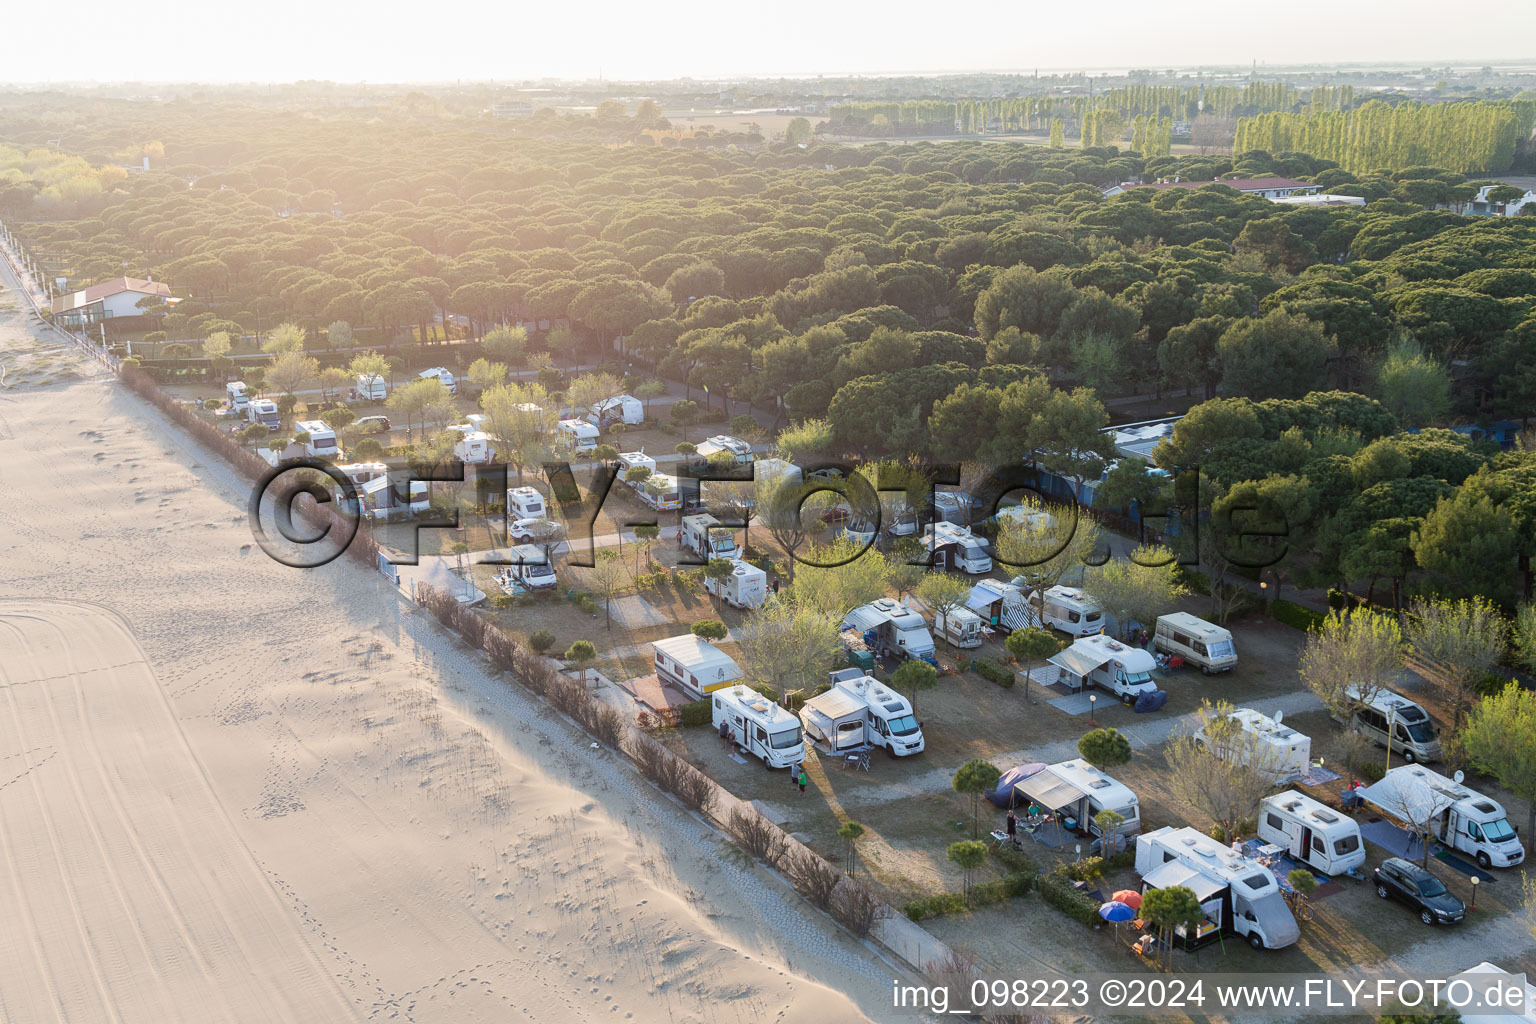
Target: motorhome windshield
{"type": "Point", "coordinates": [1498, 831]}
{"type": "Point", "coordinates": [914, 634]}
{"type": "Point", "coordinates": [1219, 648]}
{"type": "Point", "coordinates": [1423, 732]}
{"type": "Point", "coordinates": [906, 725]}
{"type": "Point", "coordinates": [540, 570]}
{"type": "Point", "coordinates": [973, 550]}
{"type": "Point", "coordinates": [1134, 678]}
{"type": "Point", "coordinates": [782, 740]}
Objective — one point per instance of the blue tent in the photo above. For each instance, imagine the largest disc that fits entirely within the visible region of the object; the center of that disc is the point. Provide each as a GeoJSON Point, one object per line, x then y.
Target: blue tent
{"type": "Point", "coordinates": [1003, 796]}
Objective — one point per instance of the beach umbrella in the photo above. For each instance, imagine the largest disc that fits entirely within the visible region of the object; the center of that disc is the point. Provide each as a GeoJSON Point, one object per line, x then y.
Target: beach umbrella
{"type": "Point", "coordinates": [1116, 911]}
{"type": "Point", "coordinates": [1130, 897]}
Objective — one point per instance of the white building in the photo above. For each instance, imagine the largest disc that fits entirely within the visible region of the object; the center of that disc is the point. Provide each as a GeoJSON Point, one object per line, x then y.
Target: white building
{"type": "Point", "coordinates": [1264, 188]}
{"type": "Point", "coordinates": [117, 298]}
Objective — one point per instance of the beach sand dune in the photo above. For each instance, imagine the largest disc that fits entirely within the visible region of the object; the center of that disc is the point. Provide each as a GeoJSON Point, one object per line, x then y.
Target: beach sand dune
{"type": "Point", "coordinates": [231, 790]}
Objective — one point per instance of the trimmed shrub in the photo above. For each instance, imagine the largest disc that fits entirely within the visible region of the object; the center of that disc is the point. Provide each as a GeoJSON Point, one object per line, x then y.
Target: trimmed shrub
{"type": "Point", "coordinates": [695, 713]}
{"type": "Point", "coordinates": [541, 640]}
{"type": "Point", "coordinates": [1057, 890]}
{"type": "Point", "coordinates": [994, 672]}
{"type": "Point", "coordinates": [934, 906]}
{"type": "Point", "coordinates": [1295, 616]}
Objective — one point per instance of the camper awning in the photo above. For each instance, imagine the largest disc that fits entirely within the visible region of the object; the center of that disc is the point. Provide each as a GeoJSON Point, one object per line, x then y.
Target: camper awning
{"type": "Point", "coordinates": [1406, 798]}
{"type": "Point", "coordinates": [835, 704]}
{"type": "Point", "coordinates": [981, 597]}
{"type": "Point", "coordinates": [1078, 661]}
{"type": "Point", "coordinates": [1050, 790]}
{"type": "Point", "coordinates": [1165, 876]}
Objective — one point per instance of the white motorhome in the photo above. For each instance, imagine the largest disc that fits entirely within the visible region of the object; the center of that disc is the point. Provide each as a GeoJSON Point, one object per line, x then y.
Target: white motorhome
{"type": "Point", "coordinates": [531, 566]}
{"type": "Point", "coordinates": [1004, 606]}
{"type": "Point", "coordinates": [322, 439]}
{"type": "Point", "coordinates": [1412, 733]}
{"type": "Point", "coordinates": [473, 447]}
{"type": "Point", "coordinates": [1068, 609]}
{"type": "Point", "coordinates": [384, 499]}
{"type": "Point", "coordinates": [1311, 832]}
{"type": "Point", "coordinates": [1079, 790]}
{"type": "Point", "coordinates": [1236, 894]}
{"type": "Point", "coordinates": [891, 626]}
{"type": "Point", "coordinates": [960, 627]}
{"type": "Point", "coordinates": [705, 537]}
{"type": "Point", "coordinates": [693, 665]}
{"type": "Point", "coordinates": [745, 587]}
{"type": "Point", "coordinates": [372, 389]}
{"type": "Point", "coordinates": [634, 460]}
{"type": "Point", "coordinates": [1460, 817]}
{"type": "Point", "coordinates": [955, 547]}
{"type": "Point", "coordinates": [524, 503]}
{"type": "Point", "coordinates": [1196, 641]}
{"type": "Point", "coordinates": [758, 725]}
{"type": "Point", "coordinates": [443, 374]}
{"type": "Point", "coordinates": [1274, 749]}
{"type": "Point", "coordinates": [955, 507]}
{"type": "Point", "coordinates": [578, 436]}
{"type": "Point", "coordinates": [359, 473]}
{"type": "Point", "coordinates": [1034, 519]}
{"type": "Point", "coordinates": [264, 411]}
{"type": "Point", "coordinates": [739, 450]}
{"type": "Point", "coordinates": [661, 491]}
{"type": "Point", "coordinates": [860, 710]}
{"type": "Point", "coordinates": [1108, 664]}
{"type": "Point", "coordinates": [238, 394]}
{"type": "Point", "coordinates": [626, 409]}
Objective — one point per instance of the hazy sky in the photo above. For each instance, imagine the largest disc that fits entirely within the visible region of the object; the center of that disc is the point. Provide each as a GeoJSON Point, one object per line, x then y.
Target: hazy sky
{"type": "Point", "coordinates": [396, 40]}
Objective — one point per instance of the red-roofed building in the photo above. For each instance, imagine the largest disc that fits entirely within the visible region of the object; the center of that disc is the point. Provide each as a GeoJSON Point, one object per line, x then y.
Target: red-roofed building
{"type": "Point", "coordinates": [1264, 188]}
{"type": "Point", "coordinates": [106, 301]}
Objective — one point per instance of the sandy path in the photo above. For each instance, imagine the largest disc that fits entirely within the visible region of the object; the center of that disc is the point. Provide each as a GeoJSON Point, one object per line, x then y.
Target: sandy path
{"type": "Point", "coordinates": [359, 820]}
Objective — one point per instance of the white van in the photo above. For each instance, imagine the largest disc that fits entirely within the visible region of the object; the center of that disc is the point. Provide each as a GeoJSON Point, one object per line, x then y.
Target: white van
{"type": "Point", "coordinates": [524, 503]}
{"type": "Point", "coordinates": [1112, 666]}
{"type": "Point", "coordinates": [473, 447]}
{"type": "Point", "coordinates": [238, 394]}
{"type": "Point", "coordinates": [442, 374]}
{"type": "Point", "coordinates": [371, 388]}
{"type": "Point", "coordinates": [661, 492]}
{"type": "Point", "coordinates": [1276, 750]}
{"type": "Point", "coordinates": [1069, 610]}
{"type": "Point", "coordinates": [1460, 817]}
{"type": "Point", "coordinates": [322, 439]}
{"type": "Point", "coordinates": [955, 547]}
{"type": "Point", "coordinates": [758, 725]}
{"type": "Point", "coordinates": [745, 587]}
{"type": "Point", "coordinates": [1311, 832]}
{"type": "Point", "coordinates": [1196, 641]}
{"type": "Point", "coordinates": [531, 566]}
{"type": "Point", "coordinates": [1413, 733]}
{"type": "Point", "coordinates": [577, 436]}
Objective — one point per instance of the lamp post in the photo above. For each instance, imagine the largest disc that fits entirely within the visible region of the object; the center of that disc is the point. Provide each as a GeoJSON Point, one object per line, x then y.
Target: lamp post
{"type": "Point", "coordinates": [1264, 593]}
{"type": "Point", "coordinates": [1475, 882]}
{"type": "Point", "coordinates": [1093, 699]}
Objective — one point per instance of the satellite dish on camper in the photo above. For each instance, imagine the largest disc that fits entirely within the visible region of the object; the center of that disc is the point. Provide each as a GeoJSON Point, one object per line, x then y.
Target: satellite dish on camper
{"type": "Point", "coordinates": [1279, 717]}
{"type": "Point", "coordinates": [1458, 776]}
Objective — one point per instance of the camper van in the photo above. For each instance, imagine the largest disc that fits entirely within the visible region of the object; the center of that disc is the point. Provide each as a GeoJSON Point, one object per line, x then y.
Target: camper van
{"type": "Point", "coordinates": [1275, 749]}
{"type": "Point", "coordinates": [1002, 606]}
{"type": "Point", "coordinates": [1460, 817]}
{"type": "Point", "coordinates": [524, 503]}
{"type": "Point", "coordinates": [745, 587]}
{"type": "Point", "coordinates": [1413, 735]}
{"type": "Point", "coordinates": [442, 374]}
{"type": "Point", "coordinates": [238, 395]}
{"type": "Point", "coordinates": [661, 492]}
{"type": "Point", "coordinates": [634, 460]}
{"type": "Point", "coordinates": [959, 627]}
{"type": "Point", "coordinates": [758, 726]}
{"type": "Point", "coordinates": [371, 388]}
{"type": "Point", "coordinates": [264, 411]}
{"type": "Point", "coordinates": [955, 547]}
{"type": "Point", "coordinates": [359, 473]}
{"type": "Point", "coordinates": [322, 439]}
{"type": "Point", "coordinates": [1108, 664]}
{"type": "Point", "coordinates": [955, 507]}
{"type": "Point", "coordinates": [693, 665]}
{"type": "Point", "coordinates": [531, 566]}
{"type": "Point", "coordinates": [860, 710]}
{"type": "Point", "coordinates": [891, 626]}
{"type": "Point", "coordinates": [1069, 610]}
{"type": "Point", "coordinates": [1080, 791]}
{"type": "Point", "coordinates": [1311, 833]}
{"type": "Point", "coordinates": [1196, 641]}
{"type": "Point", "coordinates": [1237, 894]}
{"type": "Point", "coordinates": [473, 447]}
{"type": "Point", "coordinates": [625, 409]}
{"type": "Point", "coordinates": [739, 450]}
{"type": "Point", "coordinates": [577, 436]}
{"type": "Point", "coordinates": [705, 537]}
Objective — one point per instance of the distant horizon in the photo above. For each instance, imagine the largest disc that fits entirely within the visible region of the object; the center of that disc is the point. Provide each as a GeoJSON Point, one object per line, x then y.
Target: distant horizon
{"type": "Point", "coordinates": [287, 41]}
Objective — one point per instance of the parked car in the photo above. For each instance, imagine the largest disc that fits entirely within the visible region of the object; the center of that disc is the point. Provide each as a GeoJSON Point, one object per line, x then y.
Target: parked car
{"type": "Point", "coordinates": [371, 425]}
{"type": "Point", "coordinates": [1420, 889]}
{"type": "Point", "coordinates": [523, 531]}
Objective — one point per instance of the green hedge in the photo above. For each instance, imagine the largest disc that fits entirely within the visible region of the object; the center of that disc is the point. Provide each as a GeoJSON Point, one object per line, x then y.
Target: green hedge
{"type": "Point", "coordinates": [1058, 891]}
{"type": "Point", "coordinates": [1295, 615]}
{"type": "Point", "coordinates": [994, 672]}
{"type": "Point", "coordinates": [934, 906]}
{"type": "Point", "coordinates": [695, 713]}
{"type": "Point", "coordinates": [982, 894]}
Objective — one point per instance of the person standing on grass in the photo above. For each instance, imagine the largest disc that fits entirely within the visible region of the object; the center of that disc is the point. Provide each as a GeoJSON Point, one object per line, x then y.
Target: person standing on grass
{"type": "Point", "coordinates": [798, 775]}
{"type": "Point", "coordinates": [1013, 823]}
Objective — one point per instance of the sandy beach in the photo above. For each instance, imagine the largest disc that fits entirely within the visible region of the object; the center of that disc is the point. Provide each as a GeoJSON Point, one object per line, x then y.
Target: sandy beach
{"type": "Point", "coordinates": [235, 791]}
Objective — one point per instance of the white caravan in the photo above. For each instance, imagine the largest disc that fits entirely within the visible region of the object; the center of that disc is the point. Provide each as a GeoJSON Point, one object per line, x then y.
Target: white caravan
{"type": "Point", "coordinates": [860, 710]}
{"type": "Point", "coordinates": [705, 537]}
{"type": "Point", "coordinates": [359, 473]}
{"type": "Point", "coordinates": [739, 450]}
{"type": "Point", "coordinates": [955, 547]}
{"type": "Point", "coordinates": [441, 373]}
{"type": "Point", "coordinates": [1068, 609]}
{"type": "Point", "coordinates": [1003, 606]}
{"type": "Point", "coordinates": [238, 394]}
{"type": "Point", "coordinates": [1311, 833]}
{"type": "Point", "coordinates": [960, 627]}
{"type": "Point", "coordinates": [891, 626]}
{"type": "Point", "coordinates": [1460, 817]}
{"type": "Point", "coordinates": [1078, 789]}
{"type": "Point", "coordinates": [1412, 731]}
{"type": "Point", "coordinates": [524, 503]}
{"type": "Point", "coordinates": [745, 587]}
{"type": "Point", "coordinates": [322, 439]}
{"type": "Point", "coordinates": [531, 566]}
{"type": "Point", "coordinates": [1276, 750]}
{"type": "Point", "coordinates": [625, 409]}
{"type": "Point", "coordinates": [661, 492]}
{"type": "Point", "coordinates": [1236, 893]}
{"type": "Point", "coordinates": [693, 665]}
{"type": "Point", "coordinates": [954, 507]}
{"type": "Point", "coordinates": [634, 460]}
{"type": "Point", "coordinates": [1196, 641]}
{"type": "Point", "coordinates": [473, 447]}
{"type": "Point", "coordinates": [264, 411]}
{"type": "Point", "coordinates": [758, 725]}
{"type": "Point", "coordinates": [578, 436]}
{"type": "Point", "coordinates": [372, 389]}
{"type": "Point", "coordinates": [1108, 664]}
